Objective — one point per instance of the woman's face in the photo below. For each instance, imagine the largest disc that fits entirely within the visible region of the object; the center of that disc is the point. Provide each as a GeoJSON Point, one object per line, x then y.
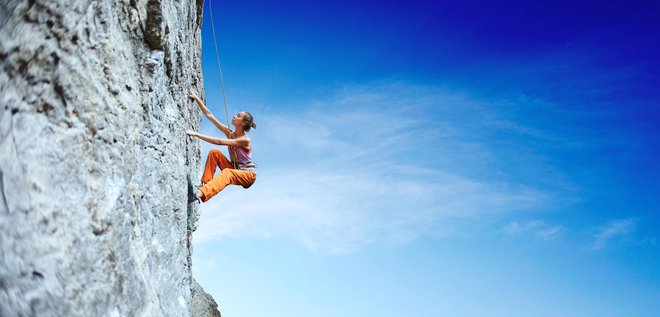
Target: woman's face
{"type": "Point", "coordinates": [237, 119]}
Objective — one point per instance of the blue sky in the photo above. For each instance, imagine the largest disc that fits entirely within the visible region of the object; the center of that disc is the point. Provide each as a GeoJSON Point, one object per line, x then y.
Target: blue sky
{"type": "Point", "coordinates": [437, 159]}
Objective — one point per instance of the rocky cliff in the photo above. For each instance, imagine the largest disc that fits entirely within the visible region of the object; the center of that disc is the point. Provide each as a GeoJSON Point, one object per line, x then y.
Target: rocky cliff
{"type": "Point", "coordinates": [94, 219]}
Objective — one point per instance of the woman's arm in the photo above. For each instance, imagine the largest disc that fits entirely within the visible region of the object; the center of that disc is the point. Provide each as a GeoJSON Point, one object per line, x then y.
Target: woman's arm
{"type": "Point", "coordinates": [243, 142]}
{"type": "Point", "coordinates": [210, 115]}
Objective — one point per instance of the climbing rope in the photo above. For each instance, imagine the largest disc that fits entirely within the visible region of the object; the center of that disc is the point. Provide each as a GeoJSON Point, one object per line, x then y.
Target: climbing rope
{"type": "Point", "coordinates": [217, 56]}
{"type": "Point", "coordinates": [222, 81]}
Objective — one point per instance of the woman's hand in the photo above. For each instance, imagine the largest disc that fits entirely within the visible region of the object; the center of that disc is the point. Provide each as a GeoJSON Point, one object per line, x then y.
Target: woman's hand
{"type": "Point", "coordinates": [192, 133]}
{"type": "Point", "coordinates": [192, 94]}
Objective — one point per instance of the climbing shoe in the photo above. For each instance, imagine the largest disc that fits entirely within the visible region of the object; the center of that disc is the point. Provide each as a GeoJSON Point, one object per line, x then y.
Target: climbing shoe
{"type": "Point", "coordinates": [192, 197]}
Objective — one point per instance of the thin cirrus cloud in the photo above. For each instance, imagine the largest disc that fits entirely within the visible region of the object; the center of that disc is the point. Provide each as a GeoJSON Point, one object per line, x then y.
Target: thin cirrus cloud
{"type": "Point", "coordinates": [536, 228]}
{"type": "Point", "coordinates": [377, 165]}
{"type": "Point", "coordinates": [615, 229]}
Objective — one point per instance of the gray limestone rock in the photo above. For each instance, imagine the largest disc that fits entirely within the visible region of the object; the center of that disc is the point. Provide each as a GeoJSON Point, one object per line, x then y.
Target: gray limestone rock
{"type": "Point", "coordinates": [203, 304]}
{"type": "Point", "coordinates": [94, 219]}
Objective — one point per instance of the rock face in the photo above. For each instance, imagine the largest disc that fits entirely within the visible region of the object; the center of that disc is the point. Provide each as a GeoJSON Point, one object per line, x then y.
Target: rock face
{"type": "Point", "coordinates": [94, 219]}
{"type": "Point", "coordinates": [203, 304]}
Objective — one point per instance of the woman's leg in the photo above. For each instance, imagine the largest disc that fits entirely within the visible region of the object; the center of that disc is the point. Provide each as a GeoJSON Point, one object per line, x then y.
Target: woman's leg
{"type": "Point", "coordinates": [214, 160]}
{"type": "Point", "coordinates": [226, 177]}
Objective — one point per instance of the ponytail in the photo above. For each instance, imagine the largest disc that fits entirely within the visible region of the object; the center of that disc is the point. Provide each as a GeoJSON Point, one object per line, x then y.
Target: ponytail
{"type": "Point", "coordinates": [248, 122]}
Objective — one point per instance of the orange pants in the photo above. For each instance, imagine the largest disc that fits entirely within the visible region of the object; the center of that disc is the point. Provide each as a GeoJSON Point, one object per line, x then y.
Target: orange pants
{"type": "Point", "coordinates": [228, 175]}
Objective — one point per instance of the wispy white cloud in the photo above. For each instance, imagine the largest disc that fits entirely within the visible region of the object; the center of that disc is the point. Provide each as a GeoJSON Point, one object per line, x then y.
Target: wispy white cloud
{"type": "Point", "coordinates": [612, 230]}
{"type": "Point", "coordinates": [536, 228]}
{"type": "Point", "coordinates": [550, 232]}
{"type": "Point", "coordinates": [381, 164]}
{"type": "Point", "coordinates": [343, 210]}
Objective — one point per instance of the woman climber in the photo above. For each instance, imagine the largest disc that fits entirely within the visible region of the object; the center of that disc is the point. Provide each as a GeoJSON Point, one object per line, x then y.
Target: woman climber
{"type": "Point", "coordinates": [239, 171]}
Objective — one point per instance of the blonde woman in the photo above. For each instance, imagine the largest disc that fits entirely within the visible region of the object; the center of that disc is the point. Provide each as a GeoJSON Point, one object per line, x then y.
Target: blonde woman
{"type": "Point", "coordinates": [239, 170]}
